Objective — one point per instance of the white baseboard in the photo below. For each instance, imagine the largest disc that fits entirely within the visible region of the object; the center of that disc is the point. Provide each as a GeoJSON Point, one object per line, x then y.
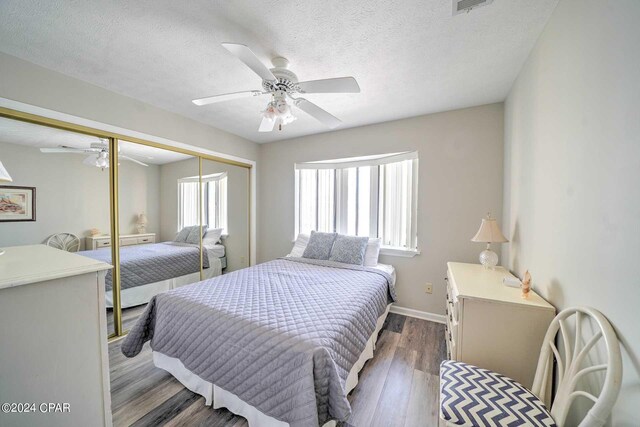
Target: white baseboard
{"type": "Point", "coordinates": [438, 318]}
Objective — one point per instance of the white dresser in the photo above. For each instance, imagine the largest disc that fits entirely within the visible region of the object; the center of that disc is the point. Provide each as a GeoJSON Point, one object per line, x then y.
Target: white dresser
{"type": "Point", "coordinates": [96, 242]}
{"type": "Point", "coordinates": [53, 338]}
{"type": "Point", "coordinates": [490, 325]}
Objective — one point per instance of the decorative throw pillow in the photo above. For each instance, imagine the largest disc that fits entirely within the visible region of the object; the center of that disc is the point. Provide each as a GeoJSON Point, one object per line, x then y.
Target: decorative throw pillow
{"type": "Point", "coordinates": [319, 246]}
{"type": "Point", "coordinates": [299, 246]}
{"type": "Point", "coordinates": [372, 252]}
{"type": "Point", "coordinates": [183, 234]}
{"type": "Point", "coordinates": [194, 234]}
{"type": "Point", "coordinates": [212, 237]}
{"type": "Point", "coordinates": [349, 249]}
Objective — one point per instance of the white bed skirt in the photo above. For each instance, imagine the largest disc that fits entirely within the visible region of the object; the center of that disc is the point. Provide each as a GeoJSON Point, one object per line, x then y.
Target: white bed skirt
{"type": "Point", "coordinates": [223, 399]}
{"type": "Point", "coordinates": [139, 295]}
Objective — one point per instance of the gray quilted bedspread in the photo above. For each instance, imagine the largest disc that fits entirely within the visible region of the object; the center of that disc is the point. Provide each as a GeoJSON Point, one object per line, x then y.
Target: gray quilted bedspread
{"type": "Point", "coordinates": [282, 336]}
{"type": "Point", "coordinates": [144, 264]}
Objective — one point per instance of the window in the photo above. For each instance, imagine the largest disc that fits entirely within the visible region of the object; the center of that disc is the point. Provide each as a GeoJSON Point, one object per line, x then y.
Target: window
{"type": "Point", "coordinates": [373, 196]}
{"type": "Point", "coordinates": [214, 201]}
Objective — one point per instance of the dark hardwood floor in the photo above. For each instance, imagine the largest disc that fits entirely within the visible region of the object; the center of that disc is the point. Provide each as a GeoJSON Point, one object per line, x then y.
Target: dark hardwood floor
{"type": "Point", "coordinates": [398, 387]}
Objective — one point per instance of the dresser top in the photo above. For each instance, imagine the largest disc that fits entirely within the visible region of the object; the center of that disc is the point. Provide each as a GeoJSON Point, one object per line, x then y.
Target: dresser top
{"type": "Point", "coordinates": [476, 282]}
{"type": "Point", "coordinates": [21, 265]}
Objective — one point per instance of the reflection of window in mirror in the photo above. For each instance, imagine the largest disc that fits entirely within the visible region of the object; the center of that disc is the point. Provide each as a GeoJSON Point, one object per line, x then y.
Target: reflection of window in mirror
{"type": "Point", "coordinates": [214, 201]}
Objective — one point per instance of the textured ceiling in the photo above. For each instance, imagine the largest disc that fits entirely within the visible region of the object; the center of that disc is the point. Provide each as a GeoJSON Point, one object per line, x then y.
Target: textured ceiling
{"type": "Point", "coordinates": [21, 133]}
{"type": "Point", "coordinates": [410, 57]}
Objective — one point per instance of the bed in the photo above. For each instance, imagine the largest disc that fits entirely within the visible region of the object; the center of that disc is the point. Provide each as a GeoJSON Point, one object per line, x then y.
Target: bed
{"type": "Point", "coordinates": [280, 343]}
{"type": "Point", "coordinates": [146, 270]}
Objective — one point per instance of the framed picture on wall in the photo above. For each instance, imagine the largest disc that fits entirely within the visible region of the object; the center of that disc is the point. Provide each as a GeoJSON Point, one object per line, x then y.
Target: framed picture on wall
{"type": "Point", "coordinates": [17, 203]}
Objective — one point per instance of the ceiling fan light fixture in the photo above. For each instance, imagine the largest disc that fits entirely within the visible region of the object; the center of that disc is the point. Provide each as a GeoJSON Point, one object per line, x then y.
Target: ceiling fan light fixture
{"type": "Point", "coordinates": [279, 110]}
{"type": "Point", "coordinates": [103, 160]}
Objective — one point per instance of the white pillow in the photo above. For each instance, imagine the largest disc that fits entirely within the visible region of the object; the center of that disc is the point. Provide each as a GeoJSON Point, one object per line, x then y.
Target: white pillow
{"type": "Point", "coordinates": [299, 246]}
{"type": "Point", "coordinates": [372, 252]}
{"type": "Point", "coordinates": [212, 236]}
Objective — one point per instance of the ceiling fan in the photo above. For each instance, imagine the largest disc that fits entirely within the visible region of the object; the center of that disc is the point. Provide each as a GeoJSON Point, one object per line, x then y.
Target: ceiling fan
{"type": "Point", "coordinates": [99, 156]}
{"type": "Point", "coordinates": [282, 84]}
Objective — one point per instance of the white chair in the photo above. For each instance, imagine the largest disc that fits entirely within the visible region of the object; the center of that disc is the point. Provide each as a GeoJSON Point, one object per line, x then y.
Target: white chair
{"type": "Point", "coordinates": [64, 241]}
{"type": "Point", "coordinates": [472, 396]}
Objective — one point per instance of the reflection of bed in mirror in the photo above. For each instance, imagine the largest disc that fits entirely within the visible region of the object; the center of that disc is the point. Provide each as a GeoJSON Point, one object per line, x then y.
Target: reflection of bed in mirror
{"type": "Point", "coordinates": [146, 270]}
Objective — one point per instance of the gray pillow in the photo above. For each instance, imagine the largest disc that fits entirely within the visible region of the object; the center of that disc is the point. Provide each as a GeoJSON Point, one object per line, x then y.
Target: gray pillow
{"type": "Point", "coordinates": [349, 249]}
{"type": "Point", "coordinates": [319, 246]}
{"type": "Point", "coordinates": [183, 234]}
{"type": "Point", "coordinates": [194, 234]}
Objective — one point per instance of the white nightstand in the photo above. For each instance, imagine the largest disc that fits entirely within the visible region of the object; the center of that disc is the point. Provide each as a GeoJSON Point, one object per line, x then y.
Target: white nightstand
{"type": "Point", "coordinates": [490, 325]}
{"type": "Point", "coordinates": [96, 242]}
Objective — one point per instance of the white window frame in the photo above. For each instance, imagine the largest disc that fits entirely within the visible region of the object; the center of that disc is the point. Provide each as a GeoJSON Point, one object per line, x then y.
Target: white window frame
{"type": "Point", "coordinates": [341, 167]}
{"type": "Point", "coordinates": [219, 177]}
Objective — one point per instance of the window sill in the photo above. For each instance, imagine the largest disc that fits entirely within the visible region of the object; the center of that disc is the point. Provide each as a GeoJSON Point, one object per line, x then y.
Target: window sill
{"type": "Point", "coordinates": [399, 252]}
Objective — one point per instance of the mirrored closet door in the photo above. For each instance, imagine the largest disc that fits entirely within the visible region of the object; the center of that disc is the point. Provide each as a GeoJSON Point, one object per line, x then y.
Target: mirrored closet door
{"type": "Point", "coordinates": [225, 193]}
{"type": "Point", "coordinates": [159, 224]}
{"type": "Point", "coordinates": [59, 189]}
{"type": "Point", "coordinates": [164, 217]}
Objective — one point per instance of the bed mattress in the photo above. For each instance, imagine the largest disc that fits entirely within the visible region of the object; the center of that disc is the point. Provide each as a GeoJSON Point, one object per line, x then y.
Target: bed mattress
{"type": "Point", "coordinates": [216, 251]}
{"type": "Point", "coordinates": [155, 262]}
{"type": "Point", "coordinates": [282, 336]}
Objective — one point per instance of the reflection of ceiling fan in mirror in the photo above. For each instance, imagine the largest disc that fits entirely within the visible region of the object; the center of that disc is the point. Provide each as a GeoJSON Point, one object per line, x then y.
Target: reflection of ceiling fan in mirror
{"type": "Point", "coordinates": [282, 84]}
{"type": "Point", "coordinates": [99, 154]}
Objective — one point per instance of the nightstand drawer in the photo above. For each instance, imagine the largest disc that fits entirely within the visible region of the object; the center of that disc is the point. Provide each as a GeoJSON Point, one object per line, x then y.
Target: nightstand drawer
{"type": "Point", "coordinates": [103, 243]}
{"type": "Point", "coordinates": [452, 301]}
{"type": "Point", "coordinates": [129, 241]}
{"type": "Point", "coordinates": [143, 240]}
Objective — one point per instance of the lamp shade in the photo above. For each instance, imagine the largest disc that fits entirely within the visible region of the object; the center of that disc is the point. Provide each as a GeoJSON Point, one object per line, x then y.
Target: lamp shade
{"type": "Point", "coordinates": [489, 232]}
{"type": "Point", "coordinates": [142, 219]}
{"type": "Point", "coordinates": [4, 175]}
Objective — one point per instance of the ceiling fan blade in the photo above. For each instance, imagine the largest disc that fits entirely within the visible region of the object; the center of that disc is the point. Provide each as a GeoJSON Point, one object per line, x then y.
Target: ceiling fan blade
{"type": "Point", "coordinates": [132, 160]}
{"type": "Point", "coordinates": [245, 55]}
{"type": "Point", "coordinates": [90, 161]}
{"type": "Point", "coordinates": [226, 97]}
{"type": "Point", "coordinates": [267, 125]}
{"type": "Point", "coordinates": [63, 150]}
{"type": "Point", "coordinates": [318, 113]}
{"type": "Point", "coordinates": [337, 85]}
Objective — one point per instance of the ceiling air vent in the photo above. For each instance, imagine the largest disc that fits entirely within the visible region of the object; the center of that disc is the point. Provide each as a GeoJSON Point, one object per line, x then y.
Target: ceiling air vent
{"type": "Point", "coordinates": [460, 6]}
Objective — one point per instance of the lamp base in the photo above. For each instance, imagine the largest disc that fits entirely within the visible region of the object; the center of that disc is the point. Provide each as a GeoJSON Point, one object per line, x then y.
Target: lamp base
{"type": "Point", "coordinates": [488, 258]}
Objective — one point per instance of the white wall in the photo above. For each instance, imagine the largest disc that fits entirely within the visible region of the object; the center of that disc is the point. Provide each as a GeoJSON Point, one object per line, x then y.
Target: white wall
{"type": "Point", "coordinates": [460, 179]}
{"type": "Point", "coordinates": [72, 197]}
{"type": "Point", "coordinates": [26, 82]}
{"type": "Point", "coordinates": [572, 171]}
{"type": "Point", "coordinates": [139, 191]}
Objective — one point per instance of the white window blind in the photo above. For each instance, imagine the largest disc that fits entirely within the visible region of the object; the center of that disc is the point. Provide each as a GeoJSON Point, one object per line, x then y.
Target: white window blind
{"type": "Point", "coordinates": [187, 204]}
{"type": "Point", "coordinates": [214, 201]}
{"type": "Point", "coordinates": [373, 196]}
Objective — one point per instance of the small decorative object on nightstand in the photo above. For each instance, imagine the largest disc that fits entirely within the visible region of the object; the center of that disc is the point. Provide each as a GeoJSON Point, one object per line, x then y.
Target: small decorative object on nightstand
{"type": "Point", "coordinates": [488, 233]}
{"type": "Point", "coordinates": [526, 285]}
{"type": "Point", "coordinates": [141, 225]}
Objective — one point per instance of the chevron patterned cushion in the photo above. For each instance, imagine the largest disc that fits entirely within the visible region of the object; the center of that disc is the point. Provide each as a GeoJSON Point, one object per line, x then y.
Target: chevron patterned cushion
{"type": "Point", "coordinates": [476, 397]}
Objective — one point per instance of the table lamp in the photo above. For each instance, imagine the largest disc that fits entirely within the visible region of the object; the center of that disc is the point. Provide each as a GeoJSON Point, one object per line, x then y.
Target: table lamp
{"type": "Point", "coordinates": [4, 177]}
{"type": "Point", "coordinates": [489, 233]}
